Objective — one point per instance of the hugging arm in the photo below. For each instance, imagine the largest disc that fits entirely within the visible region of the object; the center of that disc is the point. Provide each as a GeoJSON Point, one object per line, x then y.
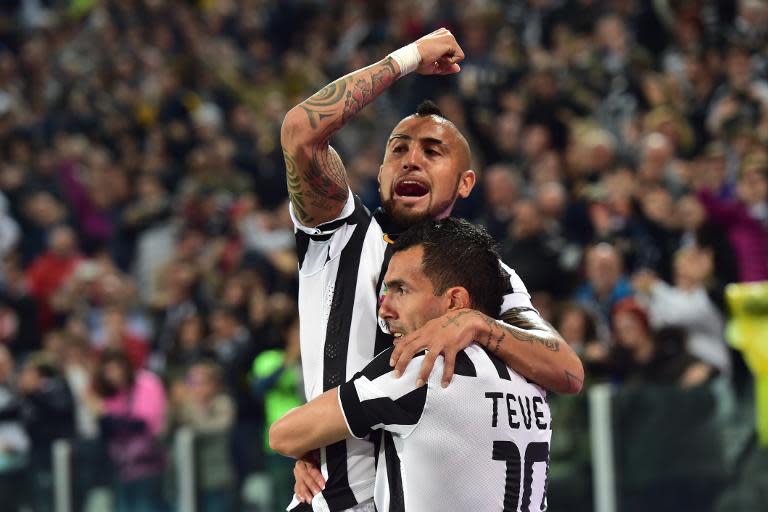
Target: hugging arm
{"type": "Point", "coordinates": [522, 339]}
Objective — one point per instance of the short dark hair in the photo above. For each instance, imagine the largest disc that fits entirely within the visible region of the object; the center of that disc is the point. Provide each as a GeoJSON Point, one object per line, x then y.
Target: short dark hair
{"type": "Point", "coordinates": [429, 108]}
{"type": "Point", "coordinates": [458, 253]}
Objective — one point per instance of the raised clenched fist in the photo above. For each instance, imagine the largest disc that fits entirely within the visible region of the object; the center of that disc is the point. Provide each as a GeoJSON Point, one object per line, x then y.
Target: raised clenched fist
{"type": "Point", "coordinates": [440, 53]}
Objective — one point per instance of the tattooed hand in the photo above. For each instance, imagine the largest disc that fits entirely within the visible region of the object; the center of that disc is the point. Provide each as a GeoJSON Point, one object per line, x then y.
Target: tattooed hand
{"type": "Point", "coordinates": [446, 335]}
{"type": "Point", "coordinates": [522, 340]}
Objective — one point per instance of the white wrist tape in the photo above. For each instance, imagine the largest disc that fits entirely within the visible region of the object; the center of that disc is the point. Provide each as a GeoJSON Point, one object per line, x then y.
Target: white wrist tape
{"type": "Point", "coordinates": [408, 58]}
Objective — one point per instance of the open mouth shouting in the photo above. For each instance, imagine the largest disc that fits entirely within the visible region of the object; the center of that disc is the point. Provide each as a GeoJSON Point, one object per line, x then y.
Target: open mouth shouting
{"type": "Point", "coordinates": [410, 190]}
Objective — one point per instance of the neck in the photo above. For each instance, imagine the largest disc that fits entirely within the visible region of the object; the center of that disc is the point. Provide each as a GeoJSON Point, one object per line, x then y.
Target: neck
{"type": "Point", "coordinates": [445, 213]}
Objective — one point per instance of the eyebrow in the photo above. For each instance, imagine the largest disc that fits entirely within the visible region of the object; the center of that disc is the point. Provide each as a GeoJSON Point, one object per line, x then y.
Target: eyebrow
{"type": "Point", "coordinates": [394, 283]}
{"type": "Point", "coordinates": [428, 140]}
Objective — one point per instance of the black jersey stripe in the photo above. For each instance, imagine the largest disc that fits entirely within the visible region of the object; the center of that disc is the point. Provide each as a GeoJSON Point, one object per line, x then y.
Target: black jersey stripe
{"type": "Point", "coordinates": [380, 364]}
{"type": "Point", "coordinates": [337, 492]}
{"type": "Point", "coordinates": [507, 280]}
{"type": "Point", "coordinates": [363, 415]}
{"type": "Point", "coordinates": [394, 476]}
{"type": "Point", "coordinates": [535, 452]}
{"type": "Point", "coordinates": [464, 365]}
{"type": "Point", "coordinates": [501, 368]}
{"type": "Point", "coordinates": [302, 244]}
{"type": "Point", "coordinates": [383, 340]}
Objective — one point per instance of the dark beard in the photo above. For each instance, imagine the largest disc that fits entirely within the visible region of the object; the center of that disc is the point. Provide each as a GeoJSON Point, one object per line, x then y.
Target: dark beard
{"type": "Point", "coordinates": [402, 217]}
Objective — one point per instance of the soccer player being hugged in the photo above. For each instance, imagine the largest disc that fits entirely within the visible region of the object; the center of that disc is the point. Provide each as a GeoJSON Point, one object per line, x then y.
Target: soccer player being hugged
{"type": "Point", "coordinates": [482, 443]}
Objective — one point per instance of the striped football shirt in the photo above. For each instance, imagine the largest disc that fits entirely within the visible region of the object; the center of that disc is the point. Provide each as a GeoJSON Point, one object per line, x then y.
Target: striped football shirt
{"type": "Point", "coordinates": [342, 264]}
{"type": "Point", "coordinates": [482, 443]}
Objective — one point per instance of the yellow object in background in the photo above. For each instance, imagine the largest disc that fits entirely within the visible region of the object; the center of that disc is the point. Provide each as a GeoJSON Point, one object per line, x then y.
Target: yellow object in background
{"type": "Point", "coordinates": [747, 331]}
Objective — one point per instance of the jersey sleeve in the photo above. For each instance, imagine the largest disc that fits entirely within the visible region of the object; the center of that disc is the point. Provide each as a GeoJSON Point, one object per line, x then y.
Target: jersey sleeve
{"type": "Point", "coordinates": [315, 247]}
{"type": "Point", "coordinates": [516, 295]}
{"type": "Point", "coordinates": [327, 227]}
{"type": "Point", "coordinates": [374, 399]}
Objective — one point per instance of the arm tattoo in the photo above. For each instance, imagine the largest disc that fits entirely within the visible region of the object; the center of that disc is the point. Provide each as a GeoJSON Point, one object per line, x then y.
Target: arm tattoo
{"type": "Point", "coordinates": [322, 182]}
{"type": "Point", "coordinates": [329, 95]}
{"type": "Point", "coordinates": [326, 177]}
{"type": "Point", "coordinates": [323, 102]}
{"type": "Point", "coordinates": [522, 320]}
{"type": "Point", "coordinates": [518, 322]}
{"type": "Point", "coordinates": [454, 320]}
{"type": "Point", "coordinates": [294, 188]}
{"type": "Point", "coordinates": [343, 99]}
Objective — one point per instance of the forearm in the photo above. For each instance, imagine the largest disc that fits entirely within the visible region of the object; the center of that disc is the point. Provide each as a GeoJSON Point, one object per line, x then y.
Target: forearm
{"type": "Point", "coordinates": [317, 183]}
{"type": "Point", "coordinates": [532, 348]}
{"type": "Point", "coordinates": [311, 426]}
{"type": "Point", "coordinates": [315, 119]}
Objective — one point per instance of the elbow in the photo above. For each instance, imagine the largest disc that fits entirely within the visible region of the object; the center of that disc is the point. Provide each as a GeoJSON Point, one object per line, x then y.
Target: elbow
{"type": "Point", "coordinates": [281, 441]}
{"type": "Point", "coordinates": [574, 378]}
{"type": "Point", "coordinates": [295, 130]}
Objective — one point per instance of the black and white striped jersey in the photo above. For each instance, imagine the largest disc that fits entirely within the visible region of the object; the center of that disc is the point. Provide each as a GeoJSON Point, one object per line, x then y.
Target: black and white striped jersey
{"type": "Point", "coordinates": [341, 267]}
{"type": "Point", "coordinates": [481, 444]}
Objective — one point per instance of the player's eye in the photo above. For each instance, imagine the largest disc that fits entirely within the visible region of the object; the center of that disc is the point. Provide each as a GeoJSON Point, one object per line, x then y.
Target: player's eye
{"type": "Point", "coordinates": [399, 148]}
{"type": "Point", "coordinates": [432, 152]}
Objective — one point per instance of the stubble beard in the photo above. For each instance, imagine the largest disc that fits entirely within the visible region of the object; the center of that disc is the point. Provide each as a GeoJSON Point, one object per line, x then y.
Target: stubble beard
{"type": "Point", "coordinates": [406, 218]}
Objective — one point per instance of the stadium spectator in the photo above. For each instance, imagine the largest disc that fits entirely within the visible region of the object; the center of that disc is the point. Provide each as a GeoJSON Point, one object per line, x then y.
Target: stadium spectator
{"type": "Point", "coordinates": [14, 442]}
{"type": "Point", "coordinates": [745, 217]}
{"type": "Point", "coordinates": [50, 270]}
{"type": "Point", "coordinates": [641, 355]}
{"type": "Point", "coordinates": [203, 404]}
{"type": "Point", "coordinates": [131, 406]}
{"type": "Point", "coordinates": [48, 414]}
{"type": "Point", "coordinates": [699, 230]}
{"type": "Point", "coordinates": [606, 283]}
{"type": "Point", "coordinates": [686, 304]}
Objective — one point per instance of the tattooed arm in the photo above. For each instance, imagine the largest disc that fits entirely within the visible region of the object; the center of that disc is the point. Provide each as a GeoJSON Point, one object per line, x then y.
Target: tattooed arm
{"type": "Point", "coordinates": [522, 339]}
{"type": "Point", "coordinates": [532, 347]}
{"type": "Point", "coordinates": [317, 181]}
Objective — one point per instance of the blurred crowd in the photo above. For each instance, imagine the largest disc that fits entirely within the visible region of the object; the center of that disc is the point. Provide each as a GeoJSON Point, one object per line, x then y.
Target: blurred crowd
{"type": "Point", "coordinates": [148, 269]}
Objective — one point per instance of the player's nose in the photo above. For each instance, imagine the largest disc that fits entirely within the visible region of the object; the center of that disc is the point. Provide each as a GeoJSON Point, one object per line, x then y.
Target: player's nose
{"type": "Point", "coordinates": [413, 159]}
{"type": "Point", "coordinates": [386, 310]}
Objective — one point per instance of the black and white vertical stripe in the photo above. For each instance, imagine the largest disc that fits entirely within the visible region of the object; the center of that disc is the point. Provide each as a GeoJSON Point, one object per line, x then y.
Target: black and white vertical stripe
{"type": "Point", "coordinates": [339, 271]}
{"type": "Point", "coordinates": [438, 446]}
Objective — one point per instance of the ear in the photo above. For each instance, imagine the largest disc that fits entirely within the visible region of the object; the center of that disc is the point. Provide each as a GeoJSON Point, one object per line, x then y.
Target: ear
{"type": "Point", "coordinates": [378, 176]}
{"type": "Point", "coordinates": [458, 298]}
{"type": "Point", "coordinates": [467, 182]}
